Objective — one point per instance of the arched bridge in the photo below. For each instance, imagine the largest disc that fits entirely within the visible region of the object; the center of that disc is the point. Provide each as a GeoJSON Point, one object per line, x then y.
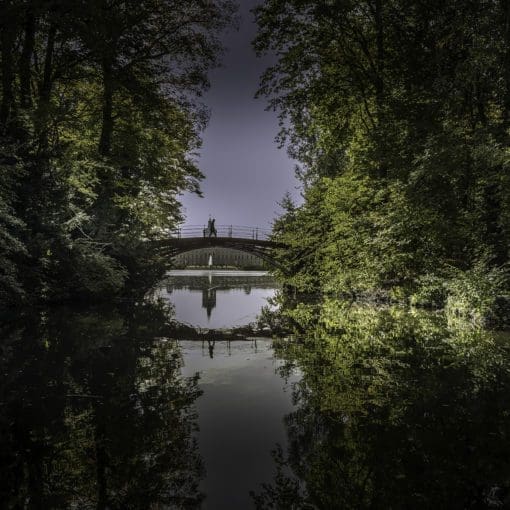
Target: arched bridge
{"type": "Point", "coordinates": [252, 240]}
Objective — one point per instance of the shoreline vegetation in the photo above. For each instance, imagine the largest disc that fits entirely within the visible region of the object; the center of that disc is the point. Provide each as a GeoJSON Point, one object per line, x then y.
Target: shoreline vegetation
{"type": "Point", "coordinates": [490, 311]}
{"type": "Point", "coordinates": [399, 116]}
{"type": "Point", "coordinates": [100, 121]}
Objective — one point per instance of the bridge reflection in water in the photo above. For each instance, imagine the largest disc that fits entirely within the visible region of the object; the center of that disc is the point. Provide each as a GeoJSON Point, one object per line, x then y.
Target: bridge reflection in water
{"type": "Point", "coordinates": [232, 293]}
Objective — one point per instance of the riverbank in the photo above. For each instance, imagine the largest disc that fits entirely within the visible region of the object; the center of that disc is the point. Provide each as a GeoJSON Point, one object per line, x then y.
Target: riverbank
{"type": "Point", "coordinates": [482, 301]}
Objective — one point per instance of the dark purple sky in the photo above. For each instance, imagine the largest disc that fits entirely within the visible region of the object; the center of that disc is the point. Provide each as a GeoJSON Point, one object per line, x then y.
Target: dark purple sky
{"type": "Point", "coordinates": [246, 174]}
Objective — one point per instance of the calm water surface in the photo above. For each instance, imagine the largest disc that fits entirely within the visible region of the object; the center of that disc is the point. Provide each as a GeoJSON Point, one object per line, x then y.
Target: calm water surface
{"type": "Point", "coordinates": [217, 299]}
{"type": "Point", "coordinates": [362, 408]}
{"type": "Point", "coordinates": [244, 400]}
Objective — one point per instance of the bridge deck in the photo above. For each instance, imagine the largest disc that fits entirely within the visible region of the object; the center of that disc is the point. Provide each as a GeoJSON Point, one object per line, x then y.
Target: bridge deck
{"type": "Point", "coordinates": [212, 241]}
{"type": "Point", "coordinates": [222, 231]}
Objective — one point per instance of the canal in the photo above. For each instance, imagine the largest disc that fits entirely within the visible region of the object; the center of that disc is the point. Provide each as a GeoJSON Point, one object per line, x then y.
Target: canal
{"type": "Point", "coordinates": [240, 413]}
{"type": "Point", "coordinates": [173, 402]}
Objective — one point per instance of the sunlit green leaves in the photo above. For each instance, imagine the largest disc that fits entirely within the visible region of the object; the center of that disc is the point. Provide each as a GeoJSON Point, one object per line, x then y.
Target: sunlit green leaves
{"type": "Point", "coordinates": [398, 113]}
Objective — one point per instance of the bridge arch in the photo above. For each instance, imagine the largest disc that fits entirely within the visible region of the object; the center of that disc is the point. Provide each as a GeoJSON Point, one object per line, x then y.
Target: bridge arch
{"type": "Point", "coordinates": [219, 256]}
{"type": "Point", "coordinates": [251, 240]}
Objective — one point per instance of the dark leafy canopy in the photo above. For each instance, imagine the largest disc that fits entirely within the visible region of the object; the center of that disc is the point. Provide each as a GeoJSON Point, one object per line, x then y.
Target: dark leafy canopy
{"type": "Point", "coordinates": [399, 113]}
{"type": "Point", "coordinates": [99, 123]}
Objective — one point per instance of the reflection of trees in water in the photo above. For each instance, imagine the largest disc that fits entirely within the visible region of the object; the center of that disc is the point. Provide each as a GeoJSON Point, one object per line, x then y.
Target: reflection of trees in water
{"type": "Point", "coordinates": [95, 414]}
{"type": "Point", "coordinates": [394, 411]}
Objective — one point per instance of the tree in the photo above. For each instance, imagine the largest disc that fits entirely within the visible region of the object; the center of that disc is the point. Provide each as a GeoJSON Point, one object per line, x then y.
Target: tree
{"type": "Point", "coordinates": [397, 113]}
{"type": "Point", "coordinates": [99, 108]}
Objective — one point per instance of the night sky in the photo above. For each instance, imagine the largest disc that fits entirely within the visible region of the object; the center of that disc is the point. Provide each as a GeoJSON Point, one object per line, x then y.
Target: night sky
{"type": "Point", "coordinates": [246, 173]}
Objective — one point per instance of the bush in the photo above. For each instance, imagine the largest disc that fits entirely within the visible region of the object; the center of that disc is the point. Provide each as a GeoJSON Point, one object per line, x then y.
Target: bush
{"type": "Point", "coordinates": [432, 292]}
{"type": "Point", "coordinates": [480, 294]}
{"type": "Point", "coordinates": [99, 275]}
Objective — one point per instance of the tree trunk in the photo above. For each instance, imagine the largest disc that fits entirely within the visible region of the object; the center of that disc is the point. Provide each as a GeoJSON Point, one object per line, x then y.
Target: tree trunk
{"type": "Point", "coordinates": [25, 63]}
{"type": "Point", "coordinates": [47, 83]}
{"type": "Point", "coordinates": [45, 88]}
{"type": "Point", "coordinates": [379, 85]}
{"type": "Point", "coordinates": [105, 140]}
{"type": "Point", "coordinates": [505, 8]}
{"type": "Point", "coordinates": [7, 105]}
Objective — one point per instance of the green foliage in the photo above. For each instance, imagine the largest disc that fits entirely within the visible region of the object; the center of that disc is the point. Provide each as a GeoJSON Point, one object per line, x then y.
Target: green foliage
{"type": "Point", "coordinates": [477, 292]}
{"type": "Point", "coordinates": [97, 274]}
{"type": "Point", "coordinates": [432, 291]}
{"type": "Point", "coordinates": [99, 126]}
{"type": "Point", "coordinates": [399, 114]}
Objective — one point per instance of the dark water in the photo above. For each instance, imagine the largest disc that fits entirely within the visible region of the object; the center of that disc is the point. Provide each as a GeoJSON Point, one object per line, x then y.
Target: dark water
{"type": "Point", "coordinates": [244, 401]}
{"type": "Point", "coordinates": [358, 408]}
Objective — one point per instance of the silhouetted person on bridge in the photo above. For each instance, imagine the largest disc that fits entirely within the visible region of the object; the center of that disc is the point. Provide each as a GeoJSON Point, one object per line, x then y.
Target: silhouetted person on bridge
{"type": "Point", "coordinates": [207, 231]}
{"type": "Point", "coordinates": [212, 228]}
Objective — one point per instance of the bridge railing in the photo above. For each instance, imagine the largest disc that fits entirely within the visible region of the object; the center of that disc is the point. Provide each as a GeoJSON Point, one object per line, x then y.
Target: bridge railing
{"type": "Point", "coordinates": [234, 231]}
